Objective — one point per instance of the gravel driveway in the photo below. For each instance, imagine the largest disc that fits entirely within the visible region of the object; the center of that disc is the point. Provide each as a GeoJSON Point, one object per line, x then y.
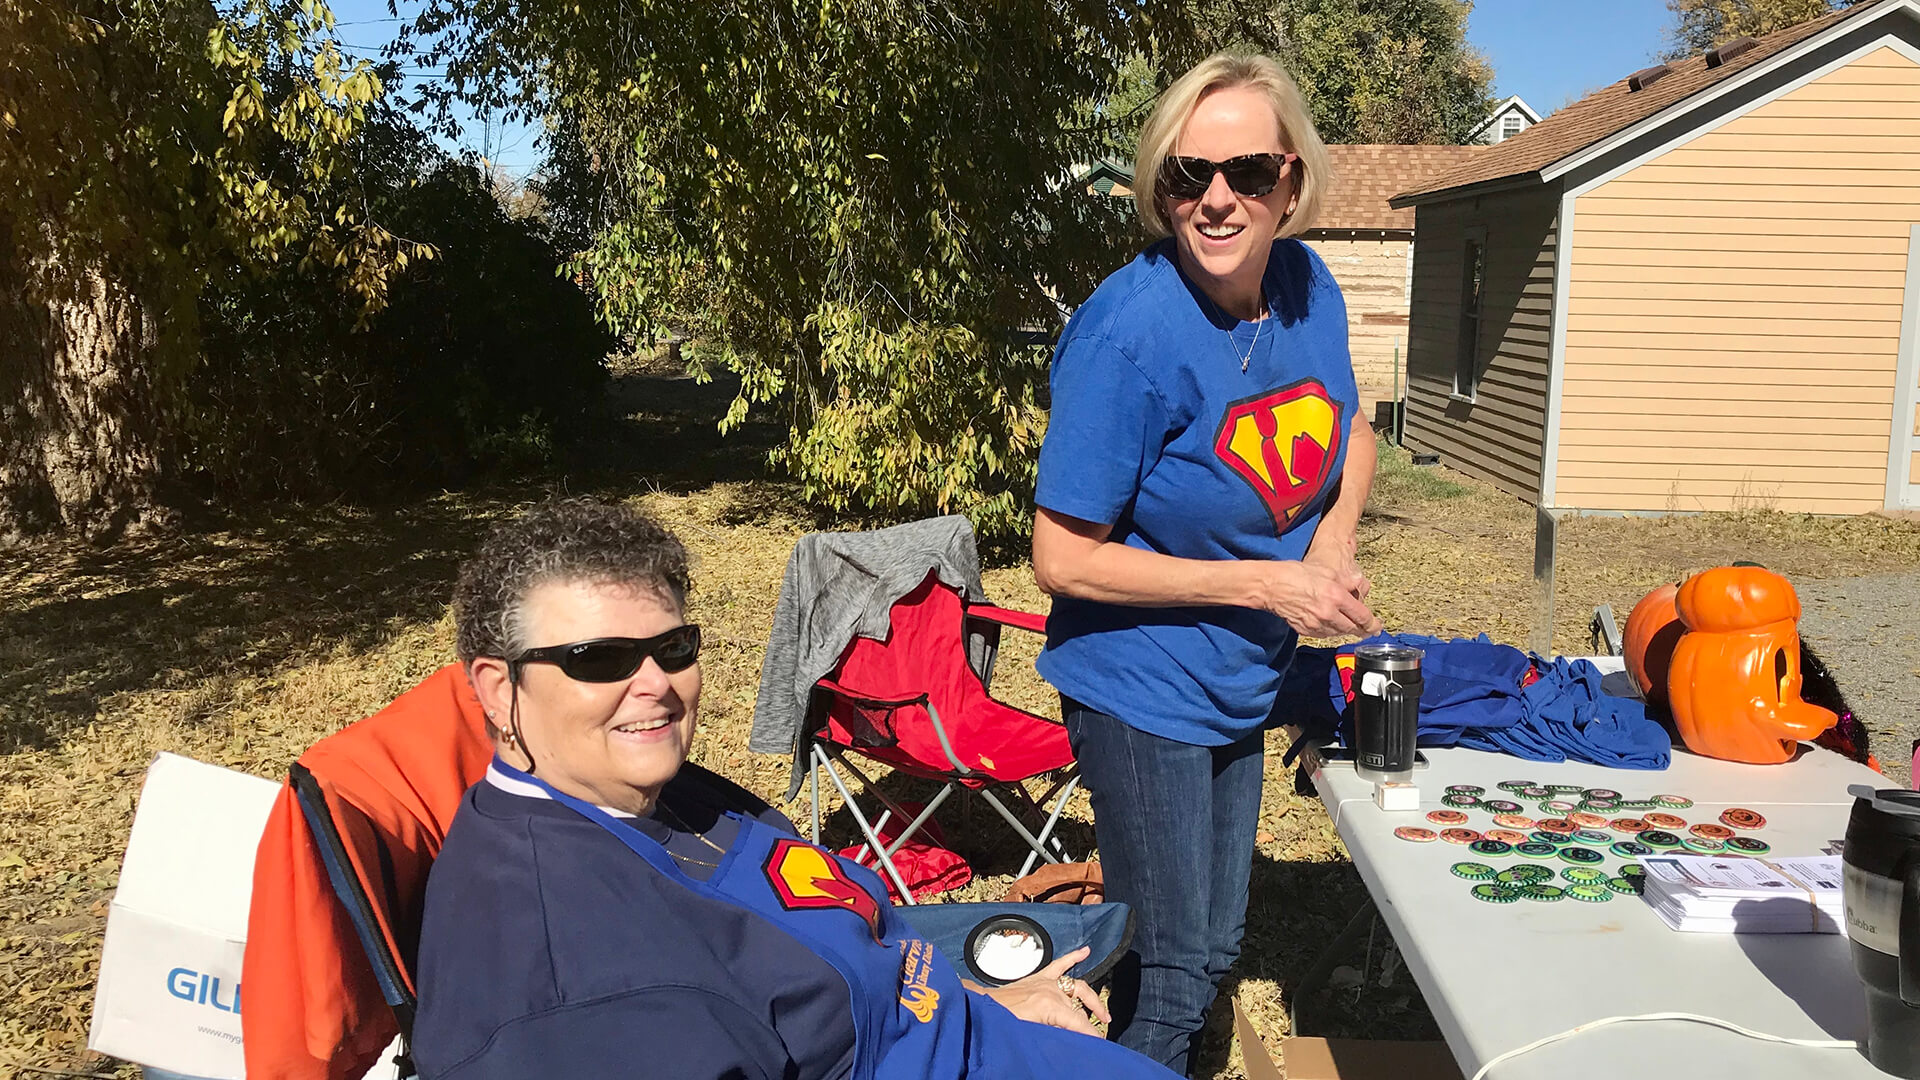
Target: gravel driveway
{"type": "Point", "coordinates": [1867, 629]}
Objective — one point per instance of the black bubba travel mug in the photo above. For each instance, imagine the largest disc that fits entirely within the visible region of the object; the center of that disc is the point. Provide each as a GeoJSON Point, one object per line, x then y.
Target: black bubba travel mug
{"type": "Point", "coordinates": [1386, 704]}
{"type": "Point", "coordinates": [1882, 892]}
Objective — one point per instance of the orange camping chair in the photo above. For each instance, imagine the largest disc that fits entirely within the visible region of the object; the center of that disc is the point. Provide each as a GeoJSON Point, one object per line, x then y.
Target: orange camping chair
{"type": "Point", "coordinates": [915, 704]}
{"type": "Point", "coordinates": [340, 883]}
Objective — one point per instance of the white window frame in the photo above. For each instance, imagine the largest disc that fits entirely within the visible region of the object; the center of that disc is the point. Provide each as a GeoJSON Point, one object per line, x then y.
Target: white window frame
{"type": "Point", "coordinates": [1473, 310]}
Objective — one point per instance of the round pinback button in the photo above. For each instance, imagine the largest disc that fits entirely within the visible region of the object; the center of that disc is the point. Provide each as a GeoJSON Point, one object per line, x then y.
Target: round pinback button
{"type": "Point", "coordinates": [1542, 891]}
{"type": "Point", "coordinates": [1459, 836]}
{"type": "Point", "coordinates": [1555, 825]}
{"type": "Point", "coordinates": [1584, 875]}
{"type": "Point", "coordinates": [1630, 849]}
{"type": "Point", "coordinates": [1541, 836]}
{"type": "Point", "coordinates": [1416, 834]}
{"type": "Point", "coordinates": [1629, 825]}
{"type": "Point", "coordinates": [1505, 836]}
{"type": "Point", "coordinates": [1743, 819]}
{"type": "Point", "coordinates": [1535, 850]}
{"type": "Point", "coordinates": [1460, 802]}
{"type": "Point", "coordinates": [1559, 807]}
{"type": "Point", "coordinates": [1709, 831]}
{"type": "Point", "coordinates": [1447, 817]}
{"type": "Point", "coordinates": [1702, 845]}
{"type": "Point", "coordinates": [1496, 892]}
{"type": "Point", "coordinates": [1749, 845]}
{"type": "Point", "coordinates": [1513, 821]}
{"type": "Point", "coordinates": [1581, 856]}
{"type": "Point", "coordinates": [1625, 886]}
{"type": "Point", "coordinates": [1501, 806]}
{"type": "Point", "coordinates": [1659, 840]}
{"type": "Point", "coordinates": [1665, 821]}
{"type": "Point", "coordinates": [1591, 836]}
{"type": "Point", "coordinates": [1593, 894]}
{"type": "Point", "coordinates": [1472, 871]}
{"type": "Point", "coordinates": [1514, 785]}
{"type": "Point", "coordinates": [1524, 874]}
{"type": "Point", "coordinates": [1566, 789]}
{"type": "Point", "coordinates": [1492, 849]}
{"type": "Point", "coordinates": [1632, 870]}
{"type": "Point", "coordinates": [1586, 820]}
{"type": "Point", "coordinates": [1535, 793]}
{"type": "Point", "coordinates": [1603, 793]}
{"type": "Point", "coordinates": [1673, 802]}
{"type": "Point", "coordinates": [1465, 789]}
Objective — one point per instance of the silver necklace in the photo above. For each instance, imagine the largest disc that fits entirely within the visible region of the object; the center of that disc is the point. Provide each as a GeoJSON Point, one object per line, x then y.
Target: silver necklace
{"type": "Point", "coordinates": [1251, 345]}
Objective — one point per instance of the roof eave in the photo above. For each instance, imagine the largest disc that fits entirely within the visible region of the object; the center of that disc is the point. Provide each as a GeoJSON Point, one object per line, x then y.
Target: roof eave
{"type": "Point", "coordinates": [1707, 95]}
{"type": "Point", "coordinates": [1465, 191]}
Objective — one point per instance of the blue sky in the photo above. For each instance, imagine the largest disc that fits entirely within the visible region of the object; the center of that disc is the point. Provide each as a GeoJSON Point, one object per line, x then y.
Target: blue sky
{"type": "Point", "coordinates": [1552, 52]}
{"type": "Point", "coordinates": [1549, 52]}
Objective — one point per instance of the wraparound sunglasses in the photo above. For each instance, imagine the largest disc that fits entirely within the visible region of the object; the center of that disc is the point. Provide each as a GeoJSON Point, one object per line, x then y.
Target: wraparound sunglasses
{"type": "Point", "coordinates": [1251, 175]}
{"type": "Point", "coordinates": [610, 659]}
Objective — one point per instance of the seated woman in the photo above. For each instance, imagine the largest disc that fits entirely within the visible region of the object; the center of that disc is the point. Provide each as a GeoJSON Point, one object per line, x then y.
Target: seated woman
{"type": "Point", "coordinates": [602, 908]}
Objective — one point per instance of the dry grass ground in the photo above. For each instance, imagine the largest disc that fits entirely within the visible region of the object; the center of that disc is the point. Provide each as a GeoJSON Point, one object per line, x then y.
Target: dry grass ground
{"type": "Point", "coordinates": [243, 642]}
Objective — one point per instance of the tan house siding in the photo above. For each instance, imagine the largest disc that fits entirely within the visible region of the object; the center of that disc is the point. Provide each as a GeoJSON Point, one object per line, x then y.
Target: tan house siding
{"type": "Point", "coordinates": [1733, 307]}
{"type": "Point", "coordinates": [1373, 278]}
{"type": "Point", "coordinates": [1498, 436]}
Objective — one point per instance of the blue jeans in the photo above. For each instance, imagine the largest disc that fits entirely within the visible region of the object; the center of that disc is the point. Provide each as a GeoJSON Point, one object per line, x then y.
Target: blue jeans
{"type": "Point", "coordinates": [1175, 824]}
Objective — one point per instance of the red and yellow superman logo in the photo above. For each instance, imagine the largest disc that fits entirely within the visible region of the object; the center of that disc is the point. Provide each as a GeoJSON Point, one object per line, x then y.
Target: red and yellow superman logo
{"type": "Point", "coordinates": [803, 877]}
{"type": "Point", "coordinates": [1283, 444]}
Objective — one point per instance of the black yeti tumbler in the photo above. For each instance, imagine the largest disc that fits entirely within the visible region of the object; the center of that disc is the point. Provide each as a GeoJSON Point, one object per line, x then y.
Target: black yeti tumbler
{"type": "Point", "coordinates": [1386, 704]}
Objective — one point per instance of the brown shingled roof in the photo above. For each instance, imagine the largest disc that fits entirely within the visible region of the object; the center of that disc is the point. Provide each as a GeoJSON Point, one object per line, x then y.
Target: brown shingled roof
{"type": "Point", "coordinates": [1615, 109]}
{"type": "Point", "coordinates": [1367, 174]}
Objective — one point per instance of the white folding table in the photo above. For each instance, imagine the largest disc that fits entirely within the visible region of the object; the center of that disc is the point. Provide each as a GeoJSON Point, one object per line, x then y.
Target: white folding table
{"type": "Point", "coordinates": [1499, 976]}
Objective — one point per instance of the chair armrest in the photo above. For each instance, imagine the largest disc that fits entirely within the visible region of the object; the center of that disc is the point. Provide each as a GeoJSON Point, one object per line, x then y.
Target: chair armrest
{"type": "Point", "coordinates": [1021, 620]}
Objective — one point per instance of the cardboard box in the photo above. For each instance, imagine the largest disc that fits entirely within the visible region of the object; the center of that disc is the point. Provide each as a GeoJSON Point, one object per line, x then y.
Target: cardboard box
{"type": "Point", "coordinates": [1342, 1059]}
{"type": "Point", "coordinates": [169, 988]}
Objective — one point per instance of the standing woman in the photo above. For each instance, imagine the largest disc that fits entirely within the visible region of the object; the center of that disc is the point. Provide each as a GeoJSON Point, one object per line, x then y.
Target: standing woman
{"type": "Point", "coordinates": [1200, 483]}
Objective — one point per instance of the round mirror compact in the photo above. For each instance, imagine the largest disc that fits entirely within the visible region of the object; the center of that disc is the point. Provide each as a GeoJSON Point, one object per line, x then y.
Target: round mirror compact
{"type": "Point", "coordinates": [1008, 947]}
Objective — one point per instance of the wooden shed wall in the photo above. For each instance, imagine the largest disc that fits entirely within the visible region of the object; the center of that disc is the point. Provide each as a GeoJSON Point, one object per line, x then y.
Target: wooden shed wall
{"type": "Point", "coordinates": [1373, 278]}
{"type": "Point", "coordinates": [1498, 436]}
{"type": "Point", "coordinates": [1733, 307]}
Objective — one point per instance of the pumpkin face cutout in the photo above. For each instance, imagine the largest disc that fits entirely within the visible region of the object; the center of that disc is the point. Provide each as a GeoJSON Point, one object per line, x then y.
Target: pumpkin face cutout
{"type": "Point", "coordinates": [1653, 629]}
{"type": "Point", "coordinates": [1734, 683]}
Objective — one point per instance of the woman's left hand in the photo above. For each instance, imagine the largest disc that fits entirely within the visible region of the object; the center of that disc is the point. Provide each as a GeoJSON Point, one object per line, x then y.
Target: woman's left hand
{"type": "Point", "coordinates": [1048, 997]}
{"type": "Point", "coordinates": [1338, 550]}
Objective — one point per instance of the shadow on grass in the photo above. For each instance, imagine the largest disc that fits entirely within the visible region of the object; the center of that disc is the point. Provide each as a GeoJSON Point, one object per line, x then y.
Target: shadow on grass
{"type": "Point", "coordinates": [234, 595]}
{"type": "Point", "coordinates": [210, 604]}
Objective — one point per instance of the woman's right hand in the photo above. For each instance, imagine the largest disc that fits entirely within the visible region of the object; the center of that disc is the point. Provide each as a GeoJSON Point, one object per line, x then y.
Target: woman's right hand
{"type": "Point", "coordinates": [1316, 600]}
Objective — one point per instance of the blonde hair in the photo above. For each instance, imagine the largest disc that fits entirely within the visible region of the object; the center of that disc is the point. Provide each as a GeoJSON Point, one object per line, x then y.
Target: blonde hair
{"type": "Point", "coordinates": [1313, 173]}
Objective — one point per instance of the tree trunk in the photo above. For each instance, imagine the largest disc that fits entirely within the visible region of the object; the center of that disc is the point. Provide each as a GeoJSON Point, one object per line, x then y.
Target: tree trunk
{"type": "Point", "coordinates": [79, 419]}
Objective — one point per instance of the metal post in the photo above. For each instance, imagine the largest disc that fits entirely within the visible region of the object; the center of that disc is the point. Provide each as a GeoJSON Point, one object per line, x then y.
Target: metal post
{"type": "Point", "coordinates": [1395, 426]}
{"type": "Point", "coordinates": [1545, 531]}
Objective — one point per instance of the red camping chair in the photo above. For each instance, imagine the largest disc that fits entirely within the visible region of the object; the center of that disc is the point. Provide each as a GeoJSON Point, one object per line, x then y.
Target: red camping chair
{"type": "Point", "coordinates": [913, 703]}
{"type": "Point", "coordinates": [340, 882]}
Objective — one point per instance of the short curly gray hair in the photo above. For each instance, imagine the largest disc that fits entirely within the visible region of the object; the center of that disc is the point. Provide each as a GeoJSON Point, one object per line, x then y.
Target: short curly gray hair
{"type": "Point", "coordinates": [560, 540]}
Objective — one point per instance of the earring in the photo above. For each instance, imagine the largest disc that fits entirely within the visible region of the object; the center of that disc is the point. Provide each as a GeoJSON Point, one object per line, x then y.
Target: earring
{"type": "Point", "coordinates": [510, 738]}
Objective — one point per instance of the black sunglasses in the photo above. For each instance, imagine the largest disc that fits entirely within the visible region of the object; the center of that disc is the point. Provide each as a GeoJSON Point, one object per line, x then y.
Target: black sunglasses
{"type": "Point", "coordinates": [1251, 175]}
{"type": "Point", "coordinates": [610, 659]}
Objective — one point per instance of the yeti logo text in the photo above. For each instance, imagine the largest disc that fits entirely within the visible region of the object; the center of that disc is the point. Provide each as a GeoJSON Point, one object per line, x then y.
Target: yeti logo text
{"type": "Point", "coordinates": [1283, 444]}
{"type": "Point", "coordinates": [201, 989]}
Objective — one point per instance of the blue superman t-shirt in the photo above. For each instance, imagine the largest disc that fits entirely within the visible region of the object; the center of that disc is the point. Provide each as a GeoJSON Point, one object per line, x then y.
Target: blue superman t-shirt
{"type": "Point", "coordinates": [1157, 431]}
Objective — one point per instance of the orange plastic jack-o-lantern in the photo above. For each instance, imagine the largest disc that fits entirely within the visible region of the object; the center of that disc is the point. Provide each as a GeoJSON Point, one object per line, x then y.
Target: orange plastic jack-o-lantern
{"type": "Point", "coordinates": [1734, 683]}
{"type": "Point", "coordinates": [1653, 628]}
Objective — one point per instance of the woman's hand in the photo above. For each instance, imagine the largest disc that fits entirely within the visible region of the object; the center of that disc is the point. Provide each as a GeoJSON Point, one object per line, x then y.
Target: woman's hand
{"type": "Point", "coordinates": [1337, 549]}
{"type": "Point", "coordinates": [1316, 600]}
{"type": "Point", "coordinates": [1043, 998]}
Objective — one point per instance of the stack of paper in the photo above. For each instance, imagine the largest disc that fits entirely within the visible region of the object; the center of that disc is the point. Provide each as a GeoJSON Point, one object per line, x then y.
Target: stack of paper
{"type": "Point", "coordinates": [1712, 895]}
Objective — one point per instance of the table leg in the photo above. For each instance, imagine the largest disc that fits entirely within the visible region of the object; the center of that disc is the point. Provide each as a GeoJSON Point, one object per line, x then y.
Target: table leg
{"type": "Point", "coordinates": [1316, 975]}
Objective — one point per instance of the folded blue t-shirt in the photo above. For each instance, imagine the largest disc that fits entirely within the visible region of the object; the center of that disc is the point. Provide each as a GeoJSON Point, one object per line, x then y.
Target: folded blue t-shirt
{"type": "Point", "coordinates": [1157, 431]}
